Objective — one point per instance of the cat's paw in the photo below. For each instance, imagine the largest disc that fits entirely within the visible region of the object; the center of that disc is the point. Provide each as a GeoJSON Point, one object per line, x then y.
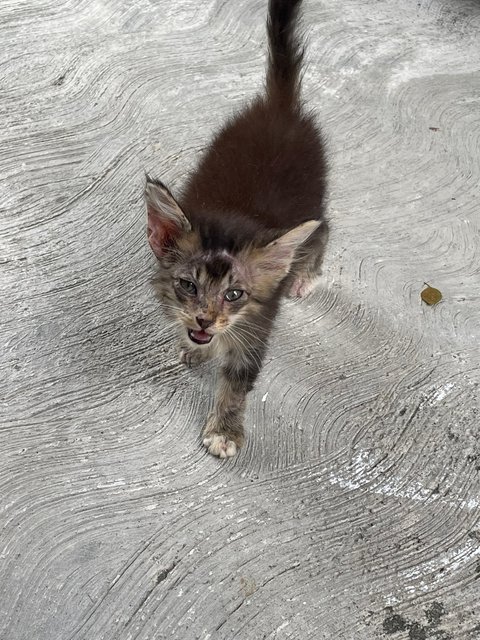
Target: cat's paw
{"type": "Point", "coordinates": [219, 445]}
{"type": "Point", "coordinates": [302, 287]}
{"type": "Point", "coordinates": [192, 357]}
{"type": "Point", "coordinates": [222, 439]}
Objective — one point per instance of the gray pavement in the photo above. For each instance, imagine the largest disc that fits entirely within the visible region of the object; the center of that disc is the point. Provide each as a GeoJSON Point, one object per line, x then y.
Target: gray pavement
{"type": "Point", "coordinates": [353, 511]}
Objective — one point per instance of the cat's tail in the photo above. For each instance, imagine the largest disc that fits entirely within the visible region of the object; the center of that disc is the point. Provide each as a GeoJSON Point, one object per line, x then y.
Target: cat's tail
{"type": "Point", "coordinates": [286, 52]}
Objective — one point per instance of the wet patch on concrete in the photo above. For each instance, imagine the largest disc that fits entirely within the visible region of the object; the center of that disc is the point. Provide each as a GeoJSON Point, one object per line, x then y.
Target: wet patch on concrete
{"type": "Point", "coordinates": [418, 630]}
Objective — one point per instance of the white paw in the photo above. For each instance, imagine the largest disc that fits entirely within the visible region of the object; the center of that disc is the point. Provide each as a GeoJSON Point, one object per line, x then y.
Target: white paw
{"type": "Point", "coordinates": [191, 357]}
{"type": "Point", "coordinates": [220, 446]}
{"type": "Point", "coordinates": [302, 287]}
{"type": "Point", "coordinates": [186, 357]}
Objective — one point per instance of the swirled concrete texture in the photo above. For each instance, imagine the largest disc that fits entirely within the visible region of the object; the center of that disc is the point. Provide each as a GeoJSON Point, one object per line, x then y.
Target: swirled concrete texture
{"type": "Point", "coordinates": [353, 511]}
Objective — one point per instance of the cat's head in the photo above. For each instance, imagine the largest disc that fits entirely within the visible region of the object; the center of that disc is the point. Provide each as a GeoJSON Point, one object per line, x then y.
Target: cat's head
{"type": "Point", "coordinates": [209, 290]}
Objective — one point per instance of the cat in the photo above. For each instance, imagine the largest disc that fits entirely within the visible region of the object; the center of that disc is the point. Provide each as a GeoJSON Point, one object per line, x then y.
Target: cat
{"type": "Point", "coordinates": [247, 229]}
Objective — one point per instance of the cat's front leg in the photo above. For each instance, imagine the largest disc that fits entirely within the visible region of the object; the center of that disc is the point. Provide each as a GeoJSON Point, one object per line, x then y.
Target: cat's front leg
{"type": "Point", "coordinates": [223, 434]}
{"type": "Point", "coordinates": [193, 356]}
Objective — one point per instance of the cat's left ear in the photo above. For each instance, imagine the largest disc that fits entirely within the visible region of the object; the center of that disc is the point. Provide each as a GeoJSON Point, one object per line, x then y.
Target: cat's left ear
{"type": "Point", "coordinates": [276, 258]}
{"type": "Point", "coordinates": [166, 222]}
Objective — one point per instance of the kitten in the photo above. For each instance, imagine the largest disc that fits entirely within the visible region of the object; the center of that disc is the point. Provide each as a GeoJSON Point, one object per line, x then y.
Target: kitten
{"type": "Point", "coordinates": [248, 228]}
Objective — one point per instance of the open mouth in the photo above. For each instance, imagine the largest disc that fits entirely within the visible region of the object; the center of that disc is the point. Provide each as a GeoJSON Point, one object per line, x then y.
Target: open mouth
{"type": "Point", "coordinates": [199, 337]}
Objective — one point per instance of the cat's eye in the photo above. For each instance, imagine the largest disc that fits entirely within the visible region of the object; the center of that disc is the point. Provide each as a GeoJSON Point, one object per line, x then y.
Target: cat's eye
{"type": "Point", "coordinates": [188, 286]}
{"type": "Point", "coordinates": [233, 294]}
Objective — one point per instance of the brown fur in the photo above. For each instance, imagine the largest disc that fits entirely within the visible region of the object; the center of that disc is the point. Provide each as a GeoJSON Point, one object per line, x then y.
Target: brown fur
{"type": "Point", "coordinates": [247, 228]}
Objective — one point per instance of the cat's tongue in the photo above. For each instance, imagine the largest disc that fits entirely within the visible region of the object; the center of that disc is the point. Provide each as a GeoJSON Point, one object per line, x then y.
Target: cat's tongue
{"type": "Point", "coordinates": [200, 337]}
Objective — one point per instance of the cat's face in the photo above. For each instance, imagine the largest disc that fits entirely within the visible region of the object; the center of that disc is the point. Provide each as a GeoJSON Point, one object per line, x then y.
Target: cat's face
{"type": "Point", "coordinates": [208, 292]}
{"type": "Point", "coordinates": [211, 292]}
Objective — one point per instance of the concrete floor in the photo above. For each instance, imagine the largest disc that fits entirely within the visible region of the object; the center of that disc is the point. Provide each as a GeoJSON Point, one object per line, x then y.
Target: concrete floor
{"type": "Point", "coordinates": [353, 511]}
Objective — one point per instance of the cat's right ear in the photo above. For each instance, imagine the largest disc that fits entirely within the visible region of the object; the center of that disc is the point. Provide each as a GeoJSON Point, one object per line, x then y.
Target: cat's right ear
{"type": "Point", "coordinates": [166, 222]}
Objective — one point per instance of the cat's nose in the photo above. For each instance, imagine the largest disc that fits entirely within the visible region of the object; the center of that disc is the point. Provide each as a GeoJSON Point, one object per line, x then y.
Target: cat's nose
{"type": "Point", "coordinates": [204, 323]}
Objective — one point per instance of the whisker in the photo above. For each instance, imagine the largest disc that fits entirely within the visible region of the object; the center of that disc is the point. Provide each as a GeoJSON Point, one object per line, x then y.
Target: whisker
{"type": "Point", "coordinates": [247, 352]}
{"type": "Point", "coordinates": [246, 337]}
{"type": "Point", "coordinates": [243, 329]}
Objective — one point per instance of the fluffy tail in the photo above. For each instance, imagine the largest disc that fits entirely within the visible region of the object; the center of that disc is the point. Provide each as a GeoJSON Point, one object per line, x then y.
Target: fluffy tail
{"type": "Point", "coordinates": [286, 52]}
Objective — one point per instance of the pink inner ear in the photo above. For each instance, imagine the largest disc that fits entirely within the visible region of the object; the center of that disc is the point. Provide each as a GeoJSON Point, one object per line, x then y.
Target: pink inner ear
{"type": "Point", "coordinates": [275, 259]}
{"type": "Point", "coordinates": [279, 254]}
{"type": "Point", "coordinates": [161, 234]}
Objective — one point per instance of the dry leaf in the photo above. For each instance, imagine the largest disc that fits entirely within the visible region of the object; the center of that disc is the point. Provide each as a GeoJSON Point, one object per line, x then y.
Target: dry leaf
{"type": "Point", "coordinates": [430, 295]}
